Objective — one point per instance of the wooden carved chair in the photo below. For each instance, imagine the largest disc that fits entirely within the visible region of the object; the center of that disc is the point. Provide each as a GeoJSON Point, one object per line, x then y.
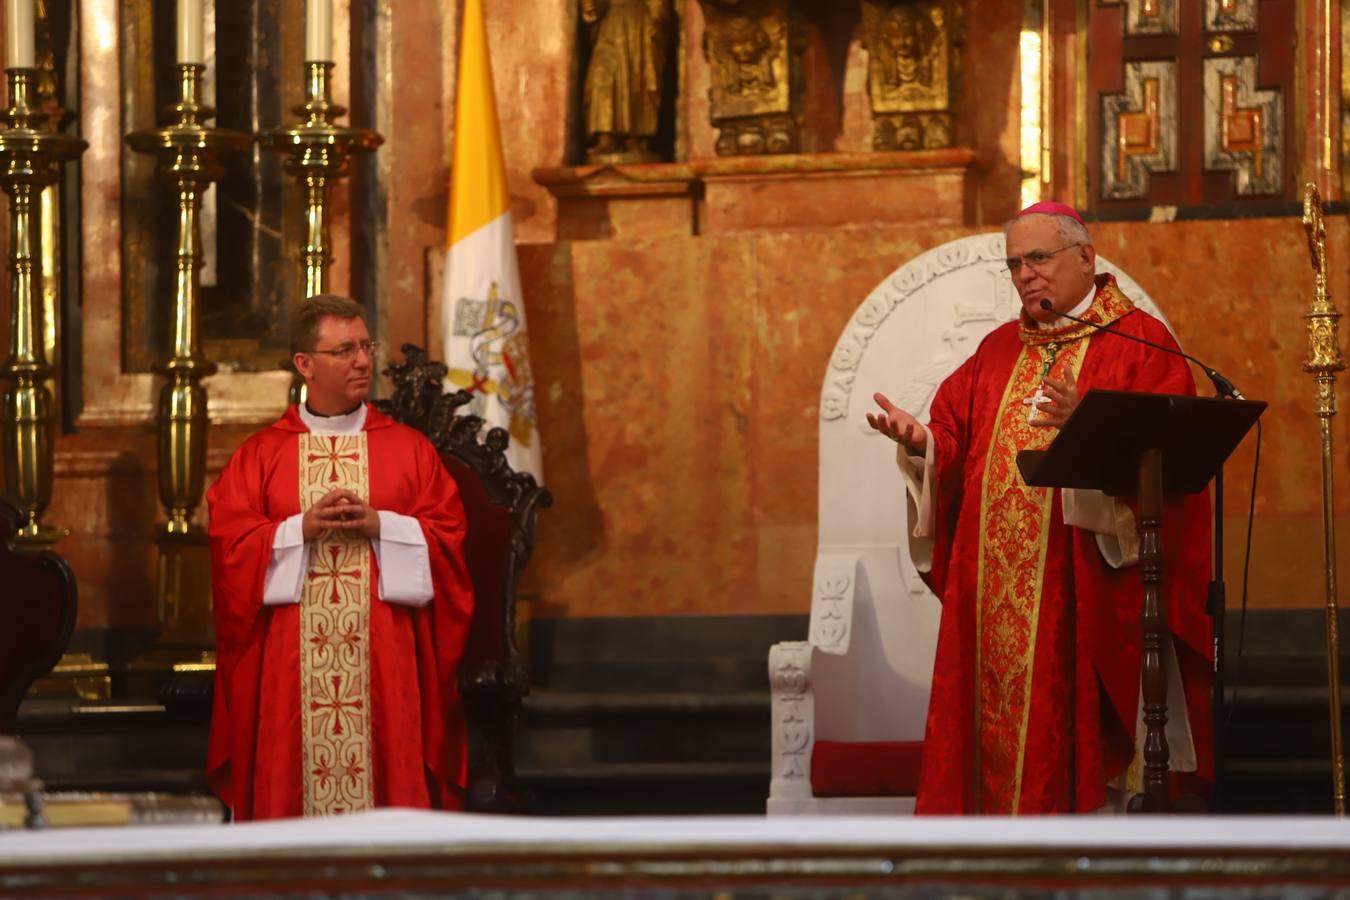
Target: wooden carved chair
{"type": "Point", "coordinates": [501, 506]}
{"type": "Point", "coordinates": [37, 607]}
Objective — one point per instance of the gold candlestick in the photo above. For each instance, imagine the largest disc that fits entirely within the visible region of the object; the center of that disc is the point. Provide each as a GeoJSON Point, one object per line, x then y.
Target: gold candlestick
{"type": "Point", "coordinates": [188, 153]}
{"type": "Point", "coordinates": [28, 163]}
{"type": "Point", "coordinates": [319, 155]}
{"type": "Point", "coordinates": [1324, 361]}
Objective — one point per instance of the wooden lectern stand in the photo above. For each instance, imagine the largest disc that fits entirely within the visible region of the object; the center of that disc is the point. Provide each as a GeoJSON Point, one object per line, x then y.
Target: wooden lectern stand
{"type": "Point", "coordinates": [1150, 446]}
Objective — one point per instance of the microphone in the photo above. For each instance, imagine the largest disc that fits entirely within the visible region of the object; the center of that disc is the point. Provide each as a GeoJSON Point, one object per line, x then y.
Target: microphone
{"type": "Point", "coordinates": [1222, 385]}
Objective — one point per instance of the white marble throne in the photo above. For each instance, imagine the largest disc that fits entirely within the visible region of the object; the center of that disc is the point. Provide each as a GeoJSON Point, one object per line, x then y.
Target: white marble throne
{"type": "Point", "coordinates": [863, 673]}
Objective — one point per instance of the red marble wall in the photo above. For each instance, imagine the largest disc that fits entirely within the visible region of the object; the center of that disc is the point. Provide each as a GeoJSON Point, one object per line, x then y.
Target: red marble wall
{"type": "Point", "coordinates": [679, 383]}
{"type": "Point", "coordinates": [679, 375]}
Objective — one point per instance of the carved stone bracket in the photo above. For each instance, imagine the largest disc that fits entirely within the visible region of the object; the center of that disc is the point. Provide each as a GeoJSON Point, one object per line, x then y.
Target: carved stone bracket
{"type": "Point", "coordinates": [909, 72]}
{"type": "Point", "coordinates": [754, 50]}
{"type": "Point", "coordinates": [792, 708]}
{"type": "Point", "coordinates": [1139, 129]}
{"type": "Point", "coordinates": [1244, 126]}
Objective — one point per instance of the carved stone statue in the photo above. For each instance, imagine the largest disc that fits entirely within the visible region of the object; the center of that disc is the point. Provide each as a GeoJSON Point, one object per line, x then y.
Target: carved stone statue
{"type": "Point", "coordinates": [624, 79]}
{"type": "Point", "coordinates": [909, 72]}
{"type": "Point", "coordinates": [754, 49]}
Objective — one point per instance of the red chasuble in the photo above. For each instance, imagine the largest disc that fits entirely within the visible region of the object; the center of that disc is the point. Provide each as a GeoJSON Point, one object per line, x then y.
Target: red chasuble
{"type": "Point", "coordinates": [343, 701]}
{"type": "Point", "coordinates": [1037, 679]}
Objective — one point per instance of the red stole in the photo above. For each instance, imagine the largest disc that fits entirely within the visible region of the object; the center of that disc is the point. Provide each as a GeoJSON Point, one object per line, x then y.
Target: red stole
{"type": "Point", "coordinates": [342, 701]}
{"type": "Point", "coordinates": [1036, 682]}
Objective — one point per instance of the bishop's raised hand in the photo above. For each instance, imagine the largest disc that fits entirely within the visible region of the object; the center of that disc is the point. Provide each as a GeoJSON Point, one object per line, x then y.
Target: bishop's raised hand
{"type": "Point", "coordinates": [898, 425]}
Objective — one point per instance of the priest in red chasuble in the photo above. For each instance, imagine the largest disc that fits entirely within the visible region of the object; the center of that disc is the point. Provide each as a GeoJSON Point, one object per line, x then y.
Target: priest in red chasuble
{"type": "Point", "coordinates": [1035, 704]}
{"type": "Point", "coordinates": [342, 601]}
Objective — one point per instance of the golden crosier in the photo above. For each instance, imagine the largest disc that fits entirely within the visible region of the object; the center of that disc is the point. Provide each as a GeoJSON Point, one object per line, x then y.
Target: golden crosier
{"type": "Point", "coordinates": [1324, 361]}
{"type": "Point", "coordinates": [28, 163]}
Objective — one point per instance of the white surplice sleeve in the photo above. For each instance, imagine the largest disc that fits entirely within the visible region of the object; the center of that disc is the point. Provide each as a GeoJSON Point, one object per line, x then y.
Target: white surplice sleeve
{"type": "Point", "coordinates": [405, 566]}
{"type": "Point", "coordinates": [286, 569]}
{"type": "Point", "coordinates": [919, 473]}
{"type": "Point", "coordinates": [1109, 519]}
{"type": "Point", "coordinates": [400, 550]}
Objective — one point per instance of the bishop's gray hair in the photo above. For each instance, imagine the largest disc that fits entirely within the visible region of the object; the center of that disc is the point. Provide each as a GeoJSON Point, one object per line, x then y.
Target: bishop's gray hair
{"type": "Point", "coordinates": [1072, 230]}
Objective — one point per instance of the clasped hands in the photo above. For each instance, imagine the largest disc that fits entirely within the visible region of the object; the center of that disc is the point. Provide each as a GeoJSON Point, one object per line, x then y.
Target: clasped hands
{"type": "Point", "coordinates": [1057, 401]}
{"type": "Point", "coordinates": [340, 510]}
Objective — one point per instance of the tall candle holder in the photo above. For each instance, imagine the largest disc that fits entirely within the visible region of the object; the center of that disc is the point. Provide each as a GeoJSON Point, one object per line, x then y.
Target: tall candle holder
{"type": "Point", "coordinates": [187, 152]}
{"type": "Point", "coordinates": [29, 158]}
{"type": "Point", "coordinates": [319, 154]}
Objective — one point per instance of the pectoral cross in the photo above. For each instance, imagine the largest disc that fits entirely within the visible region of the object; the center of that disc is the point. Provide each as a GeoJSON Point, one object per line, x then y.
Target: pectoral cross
{"type": "Point", "coordinates": [1036, 399]}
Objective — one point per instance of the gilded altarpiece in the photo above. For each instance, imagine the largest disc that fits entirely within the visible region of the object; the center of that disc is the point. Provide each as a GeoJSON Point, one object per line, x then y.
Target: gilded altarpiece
{"type": "Point", "coordinates": [1189, 104]}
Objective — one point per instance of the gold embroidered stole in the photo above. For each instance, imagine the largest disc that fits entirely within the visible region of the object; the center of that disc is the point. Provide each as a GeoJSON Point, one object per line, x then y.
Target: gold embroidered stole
{"type": "Point", "coordinates": [335, 636]}
{"type": "Point", "coordinates": [1014, 529]}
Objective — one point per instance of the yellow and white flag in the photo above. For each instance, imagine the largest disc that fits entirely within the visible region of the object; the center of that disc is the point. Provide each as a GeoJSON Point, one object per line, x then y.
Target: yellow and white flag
{"type": "Point", "coordinates": [486, 345]}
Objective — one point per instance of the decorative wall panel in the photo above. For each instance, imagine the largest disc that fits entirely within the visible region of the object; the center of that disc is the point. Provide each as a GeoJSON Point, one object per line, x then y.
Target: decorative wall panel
{"type": "Point", "coordinates": [1139, 129]}
{"type": "Point", "coordinates": [1243, 125]}
{"type": "Point", "coordinates": [1151, 17]}
{"type": "Point", "coordinates": [1230, 15]}
{"type": "Point", "coordinates": [1199, 115]}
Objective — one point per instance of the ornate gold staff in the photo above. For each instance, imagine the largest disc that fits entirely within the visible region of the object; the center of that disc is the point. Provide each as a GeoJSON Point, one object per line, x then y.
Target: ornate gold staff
{"type": "Point", "coordinates": [320, 154]}
{"type": "Point", "coordinates": [28, 163]}
{"type": "Point", "coordinates": [187, 154]}
{"type": "Point", "coordinates": [1324, 361]}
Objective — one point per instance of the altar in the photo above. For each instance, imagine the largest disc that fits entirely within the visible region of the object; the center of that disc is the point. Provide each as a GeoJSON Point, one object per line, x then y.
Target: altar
{"type": "Point", "coordinates": [402, 852]}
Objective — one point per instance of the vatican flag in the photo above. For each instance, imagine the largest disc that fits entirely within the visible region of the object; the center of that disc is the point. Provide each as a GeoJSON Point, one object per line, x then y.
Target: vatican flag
{"type": "Point", "coordinates": [486, 346]}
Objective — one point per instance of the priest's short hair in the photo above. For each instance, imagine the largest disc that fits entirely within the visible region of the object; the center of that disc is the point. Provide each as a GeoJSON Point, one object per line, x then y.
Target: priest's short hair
{"type": "Point", "coordinates": [306, 316]}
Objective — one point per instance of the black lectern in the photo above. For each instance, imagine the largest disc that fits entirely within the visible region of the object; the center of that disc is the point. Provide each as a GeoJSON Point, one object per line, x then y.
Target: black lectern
{"type": "Point", "coordinates": [1149, 446]}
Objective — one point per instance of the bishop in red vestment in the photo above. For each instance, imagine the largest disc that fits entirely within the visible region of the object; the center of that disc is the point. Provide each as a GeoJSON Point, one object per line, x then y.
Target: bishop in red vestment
{"type": "Point", "coordinates": [336, 679]}
{"type": "Point", "coordinates": [1035, 703]}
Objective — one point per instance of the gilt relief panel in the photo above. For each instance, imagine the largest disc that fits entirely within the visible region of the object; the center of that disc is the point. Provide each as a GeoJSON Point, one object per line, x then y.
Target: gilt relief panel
{"type": "Point", "coordinates": [754, 50]}
{"type": "Point", "coordinates": [909, 72]}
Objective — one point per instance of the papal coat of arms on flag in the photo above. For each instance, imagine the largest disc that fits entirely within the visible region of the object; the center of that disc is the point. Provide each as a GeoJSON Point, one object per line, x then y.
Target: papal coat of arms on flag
{"type": "Point", "coordinates": [499, 347]}
{"type": "Point", "coordinates": [483, 321]}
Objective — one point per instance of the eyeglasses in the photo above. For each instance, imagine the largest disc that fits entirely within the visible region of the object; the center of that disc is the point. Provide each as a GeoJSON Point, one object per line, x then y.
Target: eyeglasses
{"type": "Point", "coordinates": [347, 352]}
{"type": "Point", "coordinates": [1035, 259]}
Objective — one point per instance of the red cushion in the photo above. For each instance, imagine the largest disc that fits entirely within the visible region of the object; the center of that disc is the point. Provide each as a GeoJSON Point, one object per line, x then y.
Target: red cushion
{"type": "Point", "coordinates": [865, 768]}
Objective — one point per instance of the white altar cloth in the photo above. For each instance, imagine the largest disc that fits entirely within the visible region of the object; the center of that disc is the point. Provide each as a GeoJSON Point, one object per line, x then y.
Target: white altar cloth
{"type": "Point", "coordinates": [398, 832]}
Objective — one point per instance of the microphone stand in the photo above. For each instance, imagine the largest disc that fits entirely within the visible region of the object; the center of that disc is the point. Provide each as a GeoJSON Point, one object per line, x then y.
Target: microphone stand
{"type": "Point", "coordinates": [1217, 599]}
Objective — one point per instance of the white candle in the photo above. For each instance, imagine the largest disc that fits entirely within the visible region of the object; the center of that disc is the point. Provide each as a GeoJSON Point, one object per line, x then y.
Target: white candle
{"type": "Point", "coordinates": [319, 31]}
{"type": "Point", "coordinates": [19, 34]}
{"type": "Point", "coordinates": [190, 24]}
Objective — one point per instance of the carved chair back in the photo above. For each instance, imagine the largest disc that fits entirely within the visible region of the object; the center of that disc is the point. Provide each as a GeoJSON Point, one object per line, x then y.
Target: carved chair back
{"type": "Point", "coordinates": [871, 614]}
{"type": "Point", "coordinates": [501, 508]}
{"type": "Point", "coordinates": [37, 607]}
